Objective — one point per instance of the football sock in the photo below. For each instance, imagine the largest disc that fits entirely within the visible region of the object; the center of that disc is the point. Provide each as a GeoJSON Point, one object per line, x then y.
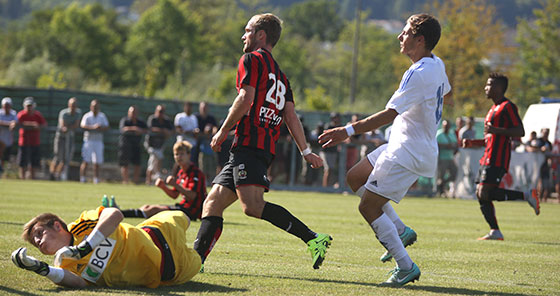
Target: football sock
{"type": "Point", "coordinates": [386, 233]}
{"type": "Point", "coordinates": [281, 218]}
{"type": "Point", "coordinates": [500, 194]}
{"type": "Point", "coordinates": [134, 213]}
{"type": "Point", "coordinates": [489, 213]}
{"type": "Point", "coordinates": [208, 234]}
{"type": "Point", "coordinates": [390, 212]}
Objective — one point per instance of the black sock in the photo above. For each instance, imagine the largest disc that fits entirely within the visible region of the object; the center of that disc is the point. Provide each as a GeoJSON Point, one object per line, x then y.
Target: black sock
{"type": "Point", "coordinates": [487, 208]}
{"type": "Point", "coordinates": [281, 218]}
{"type": "Point", "coordinates": [501, 194]}
{"type": "Point", "coordinates": [134, 213]}
{"type": "Point", "coordinates": [208, 234]}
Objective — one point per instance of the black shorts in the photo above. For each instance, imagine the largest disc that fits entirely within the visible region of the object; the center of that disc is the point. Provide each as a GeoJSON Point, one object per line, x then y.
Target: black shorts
{"type": "Point", "coordinates": [129, 154]}
{"type": "Point", "coordinates": [246, 166]}
{"type": "Point", "coordinates": [7, 151]}
{"type": "Point", "coordinates": [490, 175]}
{"type": "Point", "coordinates": [29, 155]}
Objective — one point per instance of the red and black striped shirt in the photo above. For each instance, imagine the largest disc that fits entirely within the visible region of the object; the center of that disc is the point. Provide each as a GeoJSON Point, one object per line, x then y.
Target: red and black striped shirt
{"type": "Point", "coordinates": [193, 180]}
{"type": "Point", "coordinates": [498, 147]}
{"type": "Point", "coordinates": [260, 128]}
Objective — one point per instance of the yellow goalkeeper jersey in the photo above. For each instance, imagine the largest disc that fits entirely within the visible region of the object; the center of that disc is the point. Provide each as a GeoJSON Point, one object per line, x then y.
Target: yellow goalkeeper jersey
{"type": "Point", "coordinates": [129, 257]}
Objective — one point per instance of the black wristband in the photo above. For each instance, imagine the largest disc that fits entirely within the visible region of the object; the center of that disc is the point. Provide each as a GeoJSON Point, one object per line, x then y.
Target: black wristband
{"type": "Point", "coordinates": [43, 268]}
{"type": "Point", "coordinates": [84, 248]}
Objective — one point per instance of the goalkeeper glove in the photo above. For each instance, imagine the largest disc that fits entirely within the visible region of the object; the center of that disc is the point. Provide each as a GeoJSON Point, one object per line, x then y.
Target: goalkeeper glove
{"type": "Point", "coordinates": [21, 260]}
{"type": "Point", "coordinates": [74, 252]}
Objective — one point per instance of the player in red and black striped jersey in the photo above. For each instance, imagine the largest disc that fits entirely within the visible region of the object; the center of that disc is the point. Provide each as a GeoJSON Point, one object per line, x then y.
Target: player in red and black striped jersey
{"type": "Point", "coordinates": [263, 102]}
{"type": "Point", "coordinates": [501, 124]}
{"type": "Point", "coordinates": [189, 182]}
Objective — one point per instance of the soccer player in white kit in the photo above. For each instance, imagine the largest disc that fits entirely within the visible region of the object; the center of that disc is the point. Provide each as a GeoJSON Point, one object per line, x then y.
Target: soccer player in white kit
{"type": "Point", "coordinates": [415, 110]}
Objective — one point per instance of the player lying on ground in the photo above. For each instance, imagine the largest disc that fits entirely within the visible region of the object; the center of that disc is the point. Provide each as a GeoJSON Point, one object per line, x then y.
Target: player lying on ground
{"type": "Point", "coordinates": [189, 182]}
{"type": "Point", "coordinates": [97, 249]}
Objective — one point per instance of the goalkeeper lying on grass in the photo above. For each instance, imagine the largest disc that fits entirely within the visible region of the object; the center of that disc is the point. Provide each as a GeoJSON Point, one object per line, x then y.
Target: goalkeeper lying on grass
{"type": "Point", "coordinates": [97, 249]}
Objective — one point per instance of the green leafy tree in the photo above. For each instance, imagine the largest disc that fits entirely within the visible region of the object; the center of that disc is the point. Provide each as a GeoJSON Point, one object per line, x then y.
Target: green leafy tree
{"type": "Point", "coordinates": [470, 36]}
{"type": "Point", "coordinates": [538, 71]}
{"type": "Point", "coordinates": [157, 41]}
{"type": "Point", "coordinates": [315, 19]}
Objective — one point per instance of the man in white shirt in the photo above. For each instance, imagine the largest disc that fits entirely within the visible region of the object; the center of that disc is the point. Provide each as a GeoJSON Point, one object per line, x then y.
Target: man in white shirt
{"type": "Point", "coordinates": [8, 122]}
{"type": "Point", "coordinates": [186, 125]}
{"type": "Point", "coordinates": [415, 110]}
{"type": "Point", "coordinates": [94, 124]}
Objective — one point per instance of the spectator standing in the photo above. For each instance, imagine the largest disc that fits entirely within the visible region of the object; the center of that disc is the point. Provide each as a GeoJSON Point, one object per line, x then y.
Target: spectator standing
{"type": "Point", "coordinates": [68, 122]}
{"type": "Point", "coordinates": [186, 125]}
{"type": "Point", "coordinates": [545, 183]}
{"type": "Point", "coordinates": [353, 147]}
{"type": "Point", "coordinates": [459, 124]}
{"type": "Point", "coordinates": [372, 140]}
{"type": "Point", "coordinates": [160, 128]}
{"type": "Point", "coordinates": [467, 131]}
{"type": "Point", "coordinates": [8, 121]}
{"type": "Point", "coordinates": [30, 121]}
{"type": "Point", "coordinates": [446, 168]}
{"type": "Point", "coordinates": [130, 147]}
{"type": "Point", "coordinates": [94, 124]}
{"type": "Point", "coordinates": [330, 156]}
{"type": "Point", "coordinates": [208, 127]}
{"type": "Point", "coordinates": [312, 175]}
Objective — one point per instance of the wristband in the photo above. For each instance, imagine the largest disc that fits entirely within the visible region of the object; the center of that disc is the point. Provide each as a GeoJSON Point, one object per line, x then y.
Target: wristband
{"type": "Point", "coordinates": [95, 238]}
{"type": "Point", "coordinates": [350, 130]}
{"type": "Point", "coordinates": [306, 152]}
{"type": "Point", "coordinates": [56, 274]}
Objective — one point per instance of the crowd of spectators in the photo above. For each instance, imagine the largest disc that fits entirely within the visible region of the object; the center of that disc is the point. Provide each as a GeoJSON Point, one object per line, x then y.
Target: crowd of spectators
{"type": "Point", "coordinates": [137, 135]}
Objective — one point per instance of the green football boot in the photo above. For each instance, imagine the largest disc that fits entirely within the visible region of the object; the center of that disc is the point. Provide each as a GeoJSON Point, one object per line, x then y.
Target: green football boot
{"type": "Point", "coordinates": [408, 237]}
{"type": "Point", "coordinates": [318, 248]}
{"type": "Point", "coordinates": [105, 201]}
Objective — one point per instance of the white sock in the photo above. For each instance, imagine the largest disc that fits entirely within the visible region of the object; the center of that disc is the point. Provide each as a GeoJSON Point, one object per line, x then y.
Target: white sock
{"type": "Point", "coordinates": [390, 212]}
{"type": "Point", "coordinates": [83, 179]}
{"type": "Point", "coordinates": [387, 234]}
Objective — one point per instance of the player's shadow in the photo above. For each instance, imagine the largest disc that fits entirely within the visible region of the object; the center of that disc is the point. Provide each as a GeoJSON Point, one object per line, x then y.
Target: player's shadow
{"type": "Point", "coordinates": [413, 287]}
{"type": "Point", "coordinates": [194, 287]}
{"type": "Point", "coordinates": [10, 291]}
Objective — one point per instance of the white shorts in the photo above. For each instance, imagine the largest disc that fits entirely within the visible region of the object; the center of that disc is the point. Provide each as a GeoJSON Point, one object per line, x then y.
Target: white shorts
{"type": "Point", "coordinates": [92, 152]}
{"type": "Point", "coordinates": [388, 178]}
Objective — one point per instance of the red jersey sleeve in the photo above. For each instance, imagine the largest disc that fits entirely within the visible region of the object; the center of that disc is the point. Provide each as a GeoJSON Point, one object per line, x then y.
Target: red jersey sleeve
{"type": "Point", "coordinates": [247, 71]}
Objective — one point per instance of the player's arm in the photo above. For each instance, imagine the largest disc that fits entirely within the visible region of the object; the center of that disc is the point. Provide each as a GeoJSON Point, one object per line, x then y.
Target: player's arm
{"type": "Point", "coordinates": [240, 107]}
{"type": "Point", "coordinates": [162, 185]}
{"type": "Point", "coordinates": [57, 275]}
{"type": "Point", "coordinates": [514, 132]}
{"type": "Point", "coordinates": [336, 135]}
{"type": "Point", "coordinates": [296, 130]}
{"type": "Point", "coordinates": [108, 221]}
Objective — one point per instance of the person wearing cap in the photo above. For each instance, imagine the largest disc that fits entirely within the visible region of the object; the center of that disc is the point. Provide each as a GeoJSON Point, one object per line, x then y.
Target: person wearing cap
{"type": "Point", "coordinates": [68, 122]}
{"type": "Point", "coordinates": [30, 123]}
{"type": "Point", "coordinates": [8, 121]}
{"type": "Point", "coordinates": [94, 124]}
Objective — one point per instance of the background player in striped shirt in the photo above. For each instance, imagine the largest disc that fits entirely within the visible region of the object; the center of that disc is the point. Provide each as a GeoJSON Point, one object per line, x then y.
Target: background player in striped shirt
{"type": "Point", "coordinates": [264, 100]}
{"type": "Point", "coordinates": [501, 124]}
{"type": "Point", "coordinates": [189, 182]}
{"type": "Point", "coordinates": [97, 249]}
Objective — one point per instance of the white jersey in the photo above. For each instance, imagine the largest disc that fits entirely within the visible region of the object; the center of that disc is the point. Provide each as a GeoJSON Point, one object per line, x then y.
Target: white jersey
{"type": "Point", "coordinates": [90, 119]}
{"type": "Point", "coordinates": [419, 102]}
{"type": "Point", "coordinates": [188, 123]}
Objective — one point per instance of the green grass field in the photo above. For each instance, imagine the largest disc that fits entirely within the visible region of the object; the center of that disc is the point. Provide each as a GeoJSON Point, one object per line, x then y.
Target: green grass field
{"type": "Point", "coordinates": [254, 258]}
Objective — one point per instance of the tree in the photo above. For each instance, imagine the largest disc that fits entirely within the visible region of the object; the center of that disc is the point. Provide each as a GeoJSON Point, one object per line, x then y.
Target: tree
{"type": "Point", "coordinates": [315, 19]}
{"type": "Point", "coordinates": [470, 36]}
{"type": "Point", "coordinates": [538, 71]}
{"type": "Point", "coordinates": [161, 37]}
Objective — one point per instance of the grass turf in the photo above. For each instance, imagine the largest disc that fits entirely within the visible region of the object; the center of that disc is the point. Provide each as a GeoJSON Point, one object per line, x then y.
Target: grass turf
{"type": "Point", "coordinates": [252, 257]}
